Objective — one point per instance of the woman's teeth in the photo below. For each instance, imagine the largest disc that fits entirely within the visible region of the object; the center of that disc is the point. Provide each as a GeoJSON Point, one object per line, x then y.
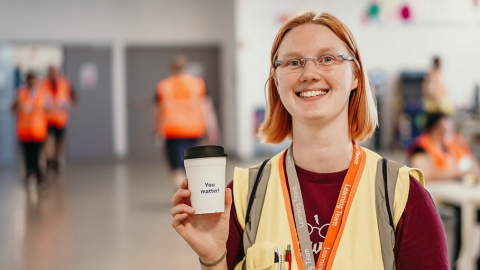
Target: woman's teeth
{"type": "Point", "coordinates": [313, 93]}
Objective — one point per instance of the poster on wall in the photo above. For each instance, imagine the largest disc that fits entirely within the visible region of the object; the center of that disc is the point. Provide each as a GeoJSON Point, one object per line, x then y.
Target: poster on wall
{"type": "Point", "coordinates": [88, 76]}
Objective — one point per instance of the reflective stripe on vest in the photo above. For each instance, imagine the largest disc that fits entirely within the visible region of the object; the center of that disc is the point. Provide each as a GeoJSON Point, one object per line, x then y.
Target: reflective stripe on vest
{"type": "Point", "coordinates": [31, 117]}
{"type": "Point", "coordinates": [181, 99]}
{"type": "Point", "coordinates": [61, 98]}
{"type": "Point", "coordinates": [359, 245]}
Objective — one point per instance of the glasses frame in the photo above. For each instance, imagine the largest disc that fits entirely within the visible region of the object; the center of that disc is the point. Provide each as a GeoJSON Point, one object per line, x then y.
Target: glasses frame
{"type": "Point", "coordinates": [304, 60]}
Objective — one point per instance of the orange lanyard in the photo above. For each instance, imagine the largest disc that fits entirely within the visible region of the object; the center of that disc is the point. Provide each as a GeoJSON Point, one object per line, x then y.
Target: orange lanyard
{"type": "Point", "coordinates": [338, 214]}
{"type": "Point", "coordinates": [297, 220]}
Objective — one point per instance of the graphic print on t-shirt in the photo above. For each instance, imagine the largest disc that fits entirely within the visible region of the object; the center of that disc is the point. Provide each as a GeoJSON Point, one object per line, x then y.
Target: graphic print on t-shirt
{"type": "Point", "coordinates": [317, 234]}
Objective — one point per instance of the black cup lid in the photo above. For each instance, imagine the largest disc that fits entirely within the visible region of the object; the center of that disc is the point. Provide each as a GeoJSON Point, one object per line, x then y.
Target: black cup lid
{"type": "Point", "coordinates": [204, 151]}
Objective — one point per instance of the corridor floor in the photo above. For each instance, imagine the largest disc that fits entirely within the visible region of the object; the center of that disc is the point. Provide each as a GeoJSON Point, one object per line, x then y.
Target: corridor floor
{"type": "Point", "coordinates": [93, 216]}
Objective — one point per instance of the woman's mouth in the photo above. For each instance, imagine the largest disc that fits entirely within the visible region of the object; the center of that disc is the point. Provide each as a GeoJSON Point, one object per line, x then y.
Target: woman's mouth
{"type": "Point", "coordinates": [312, 93]}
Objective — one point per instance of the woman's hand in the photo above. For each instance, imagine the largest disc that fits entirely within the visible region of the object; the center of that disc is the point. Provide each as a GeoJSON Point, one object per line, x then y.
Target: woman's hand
{"type": "Point", "coordinates": [206, 233]}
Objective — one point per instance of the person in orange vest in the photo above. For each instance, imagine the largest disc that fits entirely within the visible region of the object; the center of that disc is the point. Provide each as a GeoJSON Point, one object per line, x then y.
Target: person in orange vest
{"type": "Point", "coordinates": [30, 106]}
{"type": "Point", "coordinates": [182, 115]}
{"type": "Point", "coordinates": [441, 152]}
{"type": "Point", "coordinates": [443, 155]}
{"type": "Point", "coordinates": [63, 98]}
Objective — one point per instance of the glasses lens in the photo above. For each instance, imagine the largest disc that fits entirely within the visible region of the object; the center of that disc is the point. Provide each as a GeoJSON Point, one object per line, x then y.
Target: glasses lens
{"type": "Point", "coordinates": [294, 64]}
{"type": "Point", "coordinates": [324, 62]}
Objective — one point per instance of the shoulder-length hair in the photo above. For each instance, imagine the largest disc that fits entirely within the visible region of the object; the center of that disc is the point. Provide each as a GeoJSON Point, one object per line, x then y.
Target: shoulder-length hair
{"type": "Point", "coordinates": [362, 110]}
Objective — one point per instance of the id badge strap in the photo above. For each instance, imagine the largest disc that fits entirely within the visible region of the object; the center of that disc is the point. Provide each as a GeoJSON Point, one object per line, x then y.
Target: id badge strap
{"type": "Point", "coordinates": [299, 211]}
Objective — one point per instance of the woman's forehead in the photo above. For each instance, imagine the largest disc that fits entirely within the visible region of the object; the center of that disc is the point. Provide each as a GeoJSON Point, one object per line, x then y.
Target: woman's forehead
{"type": "Point", "coordinates": [310, 38]}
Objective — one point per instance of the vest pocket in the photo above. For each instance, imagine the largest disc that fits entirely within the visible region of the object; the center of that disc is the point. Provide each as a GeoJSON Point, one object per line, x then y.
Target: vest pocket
{"type": "Point", "coordinates": [261, 256]}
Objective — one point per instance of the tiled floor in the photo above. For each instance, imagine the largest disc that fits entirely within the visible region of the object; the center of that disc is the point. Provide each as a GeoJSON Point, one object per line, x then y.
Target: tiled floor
{"type": "Point", "coordinates": [97, 216]}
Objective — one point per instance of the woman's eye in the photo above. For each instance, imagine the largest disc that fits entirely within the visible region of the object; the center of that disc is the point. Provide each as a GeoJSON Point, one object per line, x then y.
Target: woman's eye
{"type": "Point", "coordinates": [327, 59]}
{"type": "Point", "coordinates": [294, 63]}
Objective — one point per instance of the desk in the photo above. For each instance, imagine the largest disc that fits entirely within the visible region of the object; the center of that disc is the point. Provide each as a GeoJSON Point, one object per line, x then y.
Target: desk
{"type": "Point", "coordinates": [468, 198]}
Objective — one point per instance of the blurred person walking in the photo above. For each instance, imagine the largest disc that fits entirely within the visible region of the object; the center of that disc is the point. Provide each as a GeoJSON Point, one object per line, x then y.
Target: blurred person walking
{"type": "Point", "coordinates": [30, 106]}
{"type": "Point", "coordinates": [325, 202]}
{"type": "Point", "coordinates": [182, 115]}
{"type": "Point", "coordinates": [63, 97]}
{"type": "Point", "coordinates": [435, 98]}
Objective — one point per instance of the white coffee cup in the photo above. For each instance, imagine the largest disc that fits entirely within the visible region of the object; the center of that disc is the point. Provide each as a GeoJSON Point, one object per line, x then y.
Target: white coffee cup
{"type": "Point", "coordinates": [205, 167]}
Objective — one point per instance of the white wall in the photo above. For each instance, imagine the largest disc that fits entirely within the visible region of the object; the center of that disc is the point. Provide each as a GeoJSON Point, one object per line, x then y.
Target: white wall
{"type": "Point", "coordinates": [449, 28]}
{"type": "Point", "coordinates": [122, 22]}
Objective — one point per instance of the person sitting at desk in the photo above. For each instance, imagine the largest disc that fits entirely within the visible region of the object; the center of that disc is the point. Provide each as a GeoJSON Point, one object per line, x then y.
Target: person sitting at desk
{"type": "Point", "coordinates": [444, 155]}
{"type": "Point", "coordinates": [441, 152]}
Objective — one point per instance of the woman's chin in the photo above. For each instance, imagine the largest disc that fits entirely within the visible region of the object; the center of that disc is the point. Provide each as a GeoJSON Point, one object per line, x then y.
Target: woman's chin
{"type": "Point", "coordinates": [313, 116]}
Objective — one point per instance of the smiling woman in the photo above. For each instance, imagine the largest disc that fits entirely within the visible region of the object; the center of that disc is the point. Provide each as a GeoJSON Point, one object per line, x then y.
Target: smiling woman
{"type": "Point", "coordinates": [320, 97]}
{"type": "Point", "coordinates": [331, 45]}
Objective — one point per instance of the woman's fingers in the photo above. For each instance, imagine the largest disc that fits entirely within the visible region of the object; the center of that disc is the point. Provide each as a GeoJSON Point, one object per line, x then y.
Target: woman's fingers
{"type": "Point", "coordinates": [180, 209]}
{"type": "Point", "coordinates": [178, 219]}
{"type": "Point", "coordinates": [180, 195]}
{"type": "Point", "coordinates": [184, 184]}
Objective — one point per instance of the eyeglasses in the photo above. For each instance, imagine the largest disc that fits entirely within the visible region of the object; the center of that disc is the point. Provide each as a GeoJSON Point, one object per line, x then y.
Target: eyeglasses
{"type": "Point", "coordinates": [324, 62]}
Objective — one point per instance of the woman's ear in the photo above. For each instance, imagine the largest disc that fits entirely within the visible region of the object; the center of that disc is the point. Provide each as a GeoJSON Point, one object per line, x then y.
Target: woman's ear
{"type": "Point", "coordinates": [274, 76]}
{"type": "Point", "coordinates": [354, 83]}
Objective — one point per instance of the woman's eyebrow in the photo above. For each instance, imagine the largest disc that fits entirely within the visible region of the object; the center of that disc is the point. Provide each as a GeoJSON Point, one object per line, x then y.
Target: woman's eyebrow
{"type": "Point", "coordinates": [319, 52]}
{"type": "Point", "coordinates": [292, 55]}
{"type": "Point", "coordinates": [327, 49]}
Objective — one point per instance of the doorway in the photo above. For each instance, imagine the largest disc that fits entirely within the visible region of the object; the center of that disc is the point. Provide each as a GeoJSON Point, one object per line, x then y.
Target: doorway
{"type": "Point", "coordinates": [89, 133]}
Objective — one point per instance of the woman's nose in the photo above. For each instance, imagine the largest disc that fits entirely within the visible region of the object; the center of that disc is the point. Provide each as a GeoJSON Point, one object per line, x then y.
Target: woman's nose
{"type": "Point", "coordinates": [310, 71]}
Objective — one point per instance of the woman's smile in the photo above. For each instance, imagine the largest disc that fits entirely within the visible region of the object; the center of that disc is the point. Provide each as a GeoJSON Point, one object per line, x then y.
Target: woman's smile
{"type": "Point", "coordinates": [312, 95]}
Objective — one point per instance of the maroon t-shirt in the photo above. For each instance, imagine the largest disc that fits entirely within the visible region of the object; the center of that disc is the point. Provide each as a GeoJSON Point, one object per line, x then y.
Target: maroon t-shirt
{"type": "Point", "coordinates": [420, 241]}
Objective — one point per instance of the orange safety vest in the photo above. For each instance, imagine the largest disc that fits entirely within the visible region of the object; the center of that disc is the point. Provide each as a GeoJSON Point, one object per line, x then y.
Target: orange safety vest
{"type": "Point", "coordinates": [31, 116]}
{"type": "Point", "coordinates": [457, 150]}
{"type": "Point", "coordinates": [58, 115]}
{"type": "Point", "coordinates": [181, 100]}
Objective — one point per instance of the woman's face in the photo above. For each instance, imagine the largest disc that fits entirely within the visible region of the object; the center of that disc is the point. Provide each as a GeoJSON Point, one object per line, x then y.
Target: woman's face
{"type": "Point", "coordinates": [32, 81]}
{"type": "Point", "coordinates": [331, 86]}
{"type": "Point", "coordinates": [446, 129]}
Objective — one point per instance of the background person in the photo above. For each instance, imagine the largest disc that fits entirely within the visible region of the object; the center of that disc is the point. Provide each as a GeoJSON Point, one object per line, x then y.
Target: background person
{"type": "Point", "coordinates": [443, 155]}
{"type": "Point", "coordinates": [441, 152]}
{"type": "Point", "coordinates": [63, 97]}
{"type": "Point", "coordinates": [30, 105]}
{"type": "Point", "coordinates": [435, 98]}
{"type": "Point", "coordinates": [182, 114]}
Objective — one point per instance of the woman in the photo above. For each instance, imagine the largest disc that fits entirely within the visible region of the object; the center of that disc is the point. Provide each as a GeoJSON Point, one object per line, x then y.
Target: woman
{"type": "Point", "coordinates": [443, 155]}
{"type": "Point", "coordinates": [435, 98]}
{"type": "Point", "coordinates": [441, 152]}
{"type": "Point", "coordinates": [31, 102]}
{"type": "Point", "coordinates": [318, 96]}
